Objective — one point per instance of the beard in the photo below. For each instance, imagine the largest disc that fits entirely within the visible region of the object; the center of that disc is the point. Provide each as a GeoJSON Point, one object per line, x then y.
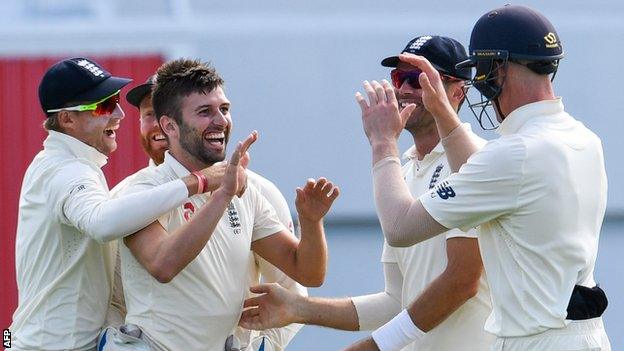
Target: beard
{"type": "Point", "coordinates": [157, 155]}
{"type": "Point", "coordinates": [419, 120]}
{"type": "Point", "coordinates": [192, 141]}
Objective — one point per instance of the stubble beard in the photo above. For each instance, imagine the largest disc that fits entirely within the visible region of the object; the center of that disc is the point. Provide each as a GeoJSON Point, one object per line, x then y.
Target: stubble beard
{"type": "Point", "coordinates": [192, 141]}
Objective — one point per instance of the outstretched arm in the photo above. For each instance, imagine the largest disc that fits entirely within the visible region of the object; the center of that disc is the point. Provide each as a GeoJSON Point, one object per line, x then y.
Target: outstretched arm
{"type": "Point", "coordinates": [306, 260]}
{"type": "Point", "coordinates": [448, 292]}
{"type": "Point", "coordinates": [277, 307]}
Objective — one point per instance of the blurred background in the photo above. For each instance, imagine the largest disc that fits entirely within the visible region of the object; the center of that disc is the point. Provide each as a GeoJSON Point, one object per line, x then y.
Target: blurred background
{"type": "Point", "coordinates": [291, 71]}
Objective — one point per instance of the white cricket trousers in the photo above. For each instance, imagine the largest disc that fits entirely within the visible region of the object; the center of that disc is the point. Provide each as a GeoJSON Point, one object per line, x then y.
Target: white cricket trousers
{"type": "Point", "coordinates": [585, 335]}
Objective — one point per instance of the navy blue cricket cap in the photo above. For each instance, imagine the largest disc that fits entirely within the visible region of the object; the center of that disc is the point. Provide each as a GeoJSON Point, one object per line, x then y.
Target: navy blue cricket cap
{"type": "Point", "coordinates": [519, 32]}
{"type": "Point", "coordinates": [77, 80]}
{"type": "Point", "coordinates": [443, 53]}
{"type": "Point", "coordinates": [138, 93]}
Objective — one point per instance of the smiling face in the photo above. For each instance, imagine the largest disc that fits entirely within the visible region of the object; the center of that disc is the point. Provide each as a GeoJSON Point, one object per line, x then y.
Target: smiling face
{"type": "Point", "coordinates": [420, 119]}
{"type": "Point", "coordinates": [98, 132]}
{"type": "Point", "coordinates": [204, 129]}
{"type": "Point", "coordinates": [152, 138]}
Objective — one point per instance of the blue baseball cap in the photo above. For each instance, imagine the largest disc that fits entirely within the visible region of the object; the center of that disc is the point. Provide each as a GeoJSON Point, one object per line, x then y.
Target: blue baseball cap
{"type": "Point", "coordinates": [443, 53]}
{"type": "Point", "coordinates": [76, 80]}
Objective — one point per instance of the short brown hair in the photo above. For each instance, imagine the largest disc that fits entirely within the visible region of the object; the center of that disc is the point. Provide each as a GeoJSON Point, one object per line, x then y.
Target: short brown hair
{"type": "Point", "coordinates": [178, 79]}
{"type": "Point", "coordinates": [52, 123]}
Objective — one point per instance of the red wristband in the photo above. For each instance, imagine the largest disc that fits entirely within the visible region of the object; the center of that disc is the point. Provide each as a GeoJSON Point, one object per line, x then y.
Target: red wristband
{"type": "Point", "coordinates": [202, 182]}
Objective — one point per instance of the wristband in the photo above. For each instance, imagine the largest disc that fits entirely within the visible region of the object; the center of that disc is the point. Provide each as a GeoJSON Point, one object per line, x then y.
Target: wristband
{"type": "Point", "coordinates": [202, 182]}
{"type": "Point", "coordinates": [399, 332]}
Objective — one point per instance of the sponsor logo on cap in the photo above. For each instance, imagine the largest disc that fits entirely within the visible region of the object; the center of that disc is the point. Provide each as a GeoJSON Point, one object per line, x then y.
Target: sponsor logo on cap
{"type": "Point", "coordinates": [551, 40]}
{"type": "Point", "coordinates": [91, 67]}
{"type": "Point", "coordinates": [418, 43]}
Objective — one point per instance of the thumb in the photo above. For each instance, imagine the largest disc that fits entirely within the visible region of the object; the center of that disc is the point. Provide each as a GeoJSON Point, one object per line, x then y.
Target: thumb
{"type": "Point", "coordinates": [260, 288]}
{"type": "Point", "coordinates": [425, 83]}
{"type": "Point", "coordinates": [407, 112]}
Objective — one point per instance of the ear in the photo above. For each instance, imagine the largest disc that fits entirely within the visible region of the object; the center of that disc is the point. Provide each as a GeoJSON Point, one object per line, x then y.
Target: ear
{"type": "Point", "coordinates": [67, 120]}
{"type": "Point", "coordinates": [168, 126]}
{"type": "Point", "coordinates": [457, 93]}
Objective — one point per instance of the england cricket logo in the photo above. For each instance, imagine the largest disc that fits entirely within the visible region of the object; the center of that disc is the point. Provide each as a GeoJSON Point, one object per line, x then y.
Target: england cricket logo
{"type": "Point", "coordinates": [233, 218]}
{"type": "Point", "coordinates": [188, 210]}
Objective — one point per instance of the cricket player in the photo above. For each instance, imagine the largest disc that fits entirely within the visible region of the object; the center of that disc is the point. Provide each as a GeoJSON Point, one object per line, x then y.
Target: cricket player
{"type": "Point", "coordinates": [67, 219]}
{"type": "Point", "coordinates": [538, 193]}
{"type": "Point", "coordinates": [439, 279]}
{"type": "Point", "coordinates": [185, 276]}
{"type": "Point", "coordinates": [154, 144]}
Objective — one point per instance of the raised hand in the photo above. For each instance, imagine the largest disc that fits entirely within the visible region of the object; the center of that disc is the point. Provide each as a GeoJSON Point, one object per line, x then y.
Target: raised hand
{"type": "Point", "coordinates": [434, 95]}
{"type": "Point", "coordinates": [275, 308]}
{"type": "Point", "coordinates": [381, 118]}
{"type": "Point", "coordinates": [214, 174]}
{"type": "Point", "coordinates": [315, 199]}
{"type": "Point", "coordinates": [235, 178]}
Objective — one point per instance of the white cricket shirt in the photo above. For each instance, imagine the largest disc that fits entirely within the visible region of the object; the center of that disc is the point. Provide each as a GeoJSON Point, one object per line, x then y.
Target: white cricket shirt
{"type": "Point", "coordinates": [420, 264]}
{"type": "Point", "coordinates": [63, 275]}
{"type": "Point", "coordinates": [538, 194]}
{"type": "Point", "coordinates": [201, 306]}
{"type": "Point", "coordinates": [261, 269]}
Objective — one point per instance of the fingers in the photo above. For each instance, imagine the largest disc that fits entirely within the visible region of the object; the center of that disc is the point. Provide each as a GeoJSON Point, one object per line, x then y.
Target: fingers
{"type": "Point", "coordinates": [251, 138]}
{"type": "Point", "coordinates": [250, 319]}
{"type": "Point", "coordinates": [389, 91]}
{"type": "Point", "coordinates": [407, 112]}
{"type": "Point", "coordinates": [361, 101]}
{"type": "Point", "coordinates": [334, 195]}
{"type": "Point", "coordinates": [372, 95]}
{"type": "Point", "coordinates": [235, 158]}
{"type": "Point", "coordinates": [380, 91]}
{"type": "Point", "coordinates": [260, 288]}
{"type": "Point", "coordinates": [252, 301]}
{"type": "Point", "coordinates": [425, 83]}
{"type": "Point", "coordinates": [244, 161]}
{"type": "Point", "coordinates": [241, 149]}
{"type": "Point", "coordinates": [419, 62]}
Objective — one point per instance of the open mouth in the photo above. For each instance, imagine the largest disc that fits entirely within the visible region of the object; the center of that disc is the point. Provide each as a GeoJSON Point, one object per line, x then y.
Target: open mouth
{"type": "Point", "coordinates": [215, 139]}
{"type": "Point", "coordinates": [404, 103]}
{"type": "Point", "coordinates": [111, 132]}
{"type": "Point", "coordinates": [158, 137]}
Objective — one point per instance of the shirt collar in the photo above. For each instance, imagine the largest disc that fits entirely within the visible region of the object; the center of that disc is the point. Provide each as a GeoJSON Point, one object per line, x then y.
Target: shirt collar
{"type": "Point", "coordinates": [177, 168]}
{"type": "Point", "coordinates": [520, 116]}
{"type": "Point", "coordinates": [411, 153]}
{"type": "Point", "coordinates": [75, 147]}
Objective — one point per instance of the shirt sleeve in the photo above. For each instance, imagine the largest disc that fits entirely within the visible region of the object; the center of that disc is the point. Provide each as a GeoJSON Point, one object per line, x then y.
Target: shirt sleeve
{"type": "Point", "coordinates": [486, 187]}
{"type": "Point", "coordinates": [389, 254]}
{"type": "Point", "coordinates": [377, 309]}
{"type": "Point", "coordinates": [266, 222]}
{"type": "Point", "coordinates": [82, 200]}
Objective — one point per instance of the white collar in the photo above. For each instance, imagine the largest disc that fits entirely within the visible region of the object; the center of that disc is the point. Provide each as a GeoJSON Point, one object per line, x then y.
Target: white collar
{"type": "Point", "coordinates": [177, 168]}
{"type": "Point", "coordinates": [57, 141]}
{"type": "Point", "coordinates": [520, 116]}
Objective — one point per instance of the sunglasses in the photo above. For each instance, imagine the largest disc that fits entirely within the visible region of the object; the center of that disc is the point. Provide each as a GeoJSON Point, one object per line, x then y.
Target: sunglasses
{"type": "Point", "coordinates": [399, 77]}
{"type": "Point", "coordinates": [103, 107]}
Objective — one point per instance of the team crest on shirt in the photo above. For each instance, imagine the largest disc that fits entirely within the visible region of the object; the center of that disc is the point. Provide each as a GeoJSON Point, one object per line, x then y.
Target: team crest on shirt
{"type": "Point", "coordinates": [233, 218]}
{"type": "Point", "coordinates": [444, 190]}
{"type": "Point", "coordinates": [188, 210]}
{"type": "Point", "coordinates": [435, 176]}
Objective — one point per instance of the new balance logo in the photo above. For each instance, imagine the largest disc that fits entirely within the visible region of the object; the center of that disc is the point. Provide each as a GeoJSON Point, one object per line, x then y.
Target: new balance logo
{"type": "Point", "coordinates": [444, 190]}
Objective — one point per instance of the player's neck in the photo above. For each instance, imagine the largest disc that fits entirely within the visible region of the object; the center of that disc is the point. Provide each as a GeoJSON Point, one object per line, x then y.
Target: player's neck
{"type": "Point", "coordinates": [187, 160]}
{"type": "Point", "coordinates": [425, 142]}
